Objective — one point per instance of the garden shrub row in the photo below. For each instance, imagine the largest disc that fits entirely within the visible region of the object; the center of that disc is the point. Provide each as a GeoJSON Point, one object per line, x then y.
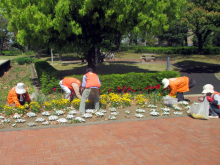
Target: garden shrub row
{"type": "Point", "coordinates": [47, 75]}
{"type": "Point", "coordinates": [177, 50]}
{"type": "Point", "coordinates": [24, 60]}
{"type": "Point", "coordinates": [136, 81]}
{"type": "Point", "coordinates": [49, 79]}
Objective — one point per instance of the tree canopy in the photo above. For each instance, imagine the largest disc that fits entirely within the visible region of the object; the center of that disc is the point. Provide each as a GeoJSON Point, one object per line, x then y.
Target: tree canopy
{"type": "Point", "coordinates": [203, 18]}
{"type": "Point", "coordinates": [87, 23]}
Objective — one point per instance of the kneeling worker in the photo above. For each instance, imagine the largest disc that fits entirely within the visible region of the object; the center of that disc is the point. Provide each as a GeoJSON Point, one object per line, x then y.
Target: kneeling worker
{"type": "Point", "coordinates": [179, 85]}
{"type": "Point", "coordinates": [69, 84]}
{"type": "Point", "coordinates": [18, 95]}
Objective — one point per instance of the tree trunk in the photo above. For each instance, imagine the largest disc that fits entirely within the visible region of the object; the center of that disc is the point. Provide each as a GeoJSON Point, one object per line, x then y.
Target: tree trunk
{"type": "Point", "coordinates": [130, 39]}
{"type": "Point", "coordinates": [118, 42]}
{"type": "Point", "coordinates": [60, 55]}
{"type": "Point", "coordinates": [36, 52]}
{"type": "Point", "coordinates": [91, 59]}
{"type": "Point", "coordinates": [186, 43]}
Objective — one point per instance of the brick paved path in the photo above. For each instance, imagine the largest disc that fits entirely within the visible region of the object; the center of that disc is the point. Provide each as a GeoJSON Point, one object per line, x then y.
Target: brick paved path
{"type": "Point", "coordinates": [163, 141]}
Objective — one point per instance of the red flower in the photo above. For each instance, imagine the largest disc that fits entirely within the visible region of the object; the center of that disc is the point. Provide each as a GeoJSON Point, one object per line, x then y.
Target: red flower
{"type": "Point", "coordinates": [141, 92]}
{"type": "Point", "coordinates": [73, 92]}
{"type": "Point", "coordinates": [149, 87]}
{"type": "Point", "coordinates": [125, 92]}
{"type": "Point", "coordinates": [124, 87]}
{"type": "Point", "coordinates": [133, 90]}
{"type": "Point", "coordinates": [129, 88]}
{"type": "Point", "coordinates": [138, 88]}
{"type": "Point", "coordinates": [54, 89]}
{"type": "Point", "coordinates": [146, 88]}
{"type": "Point", "coordinates": [118, 88]}
{"type": "Point", "coordinates": [99, 90]}
{"type": "Point", "coordinates": [122, 90]}
{"type": "Point", "coordinates": [110, 90]}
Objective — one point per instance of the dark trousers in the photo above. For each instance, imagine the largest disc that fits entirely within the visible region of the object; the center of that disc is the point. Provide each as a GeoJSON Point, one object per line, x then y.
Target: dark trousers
{"type": "Point", "coordinates": [180, 96]}
{"type": "Point", "coordinates": [213, 110]}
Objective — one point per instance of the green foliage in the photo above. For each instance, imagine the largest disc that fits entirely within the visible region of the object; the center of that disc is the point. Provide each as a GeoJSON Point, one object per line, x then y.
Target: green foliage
{"type": "Point", "coordinates": [48, 76]}
{"type": "Point", "coordinates": [24, 60]}
{"type": "Point", "coordinates": [136, 81]}
{"type": "Point", "coordinates": [177, 50]}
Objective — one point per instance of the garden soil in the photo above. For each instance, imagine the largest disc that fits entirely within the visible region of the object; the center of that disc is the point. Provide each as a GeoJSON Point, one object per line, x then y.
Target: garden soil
{"type": "Point", "coordinates": [121, 116]}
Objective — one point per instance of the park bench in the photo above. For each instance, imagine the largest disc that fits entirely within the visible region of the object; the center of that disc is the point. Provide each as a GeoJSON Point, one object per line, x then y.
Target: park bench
{"type": "Point", "coordinates": [147, 57]}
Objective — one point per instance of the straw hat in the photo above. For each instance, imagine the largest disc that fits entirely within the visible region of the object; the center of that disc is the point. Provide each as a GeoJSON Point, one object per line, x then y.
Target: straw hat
{"type": "Point", "coordinates": [165, 82]}
{"type": "Point", "coordinates": [20, 88]}
{"type": "Point", "coordinates": [208, 88]}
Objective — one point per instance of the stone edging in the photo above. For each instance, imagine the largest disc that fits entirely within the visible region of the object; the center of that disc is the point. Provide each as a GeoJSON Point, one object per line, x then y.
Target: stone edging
{"type": "Point", "coordinates": [91, 123]}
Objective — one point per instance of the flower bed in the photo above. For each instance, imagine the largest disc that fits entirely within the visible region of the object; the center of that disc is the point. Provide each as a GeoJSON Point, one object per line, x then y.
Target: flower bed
{"type": "Point", "coordinates": [112, 107]}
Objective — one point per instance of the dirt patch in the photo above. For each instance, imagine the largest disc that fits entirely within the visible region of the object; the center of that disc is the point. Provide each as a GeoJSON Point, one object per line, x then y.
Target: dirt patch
{"type": "Point", "coordinates": [121, 115]}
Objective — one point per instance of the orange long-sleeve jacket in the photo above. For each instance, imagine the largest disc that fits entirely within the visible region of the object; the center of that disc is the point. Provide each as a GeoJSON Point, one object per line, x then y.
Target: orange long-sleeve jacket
{"type": "Point", "coordinates": [13, 97]}
{"type": "Point", "coordinates": [180, 84]}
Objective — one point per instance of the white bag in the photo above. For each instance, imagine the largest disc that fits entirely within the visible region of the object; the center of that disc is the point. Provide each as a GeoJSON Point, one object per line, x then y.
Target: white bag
{"type": "Point", "coordinates": [200, 110]}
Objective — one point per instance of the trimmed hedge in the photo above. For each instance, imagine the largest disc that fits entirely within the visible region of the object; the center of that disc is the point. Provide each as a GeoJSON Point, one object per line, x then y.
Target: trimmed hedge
{"type": "Point", "coordinates": [136, 81]}
{"type": "Point", "coordinates": [47, 75]}
{"type": "Point", "coordinates": [177, 50]}
{"type": "Point", "coordinates": [49, 78]}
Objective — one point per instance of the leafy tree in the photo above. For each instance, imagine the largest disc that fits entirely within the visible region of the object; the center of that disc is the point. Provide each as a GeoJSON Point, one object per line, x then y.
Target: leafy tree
{"type": "Point", "coordinates": [86, 23]}
{"type": "Point", "coordinates": [203, 17]}
{"type": "Point", "coordinates": [176, 35]}
{"type": "Point", "coordinates": [4, 34]}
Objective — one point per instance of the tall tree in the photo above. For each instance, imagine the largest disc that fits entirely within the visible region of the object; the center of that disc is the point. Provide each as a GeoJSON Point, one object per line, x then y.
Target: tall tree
{"type": "Point", "coordinates": [4, 34]}
{"type": "Point", "coordinates": [203, 17]}
{"type": "Point", "coordinates": [88, 22]}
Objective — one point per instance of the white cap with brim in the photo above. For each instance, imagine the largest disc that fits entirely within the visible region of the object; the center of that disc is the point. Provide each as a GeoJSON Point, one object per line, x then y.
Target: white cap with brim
{"type": "Point", "coordinates": [208, 88]}
{"type": "Point", "coordinates": [165, 82]}
{"type": "Point", "coordinates": [20, 88]}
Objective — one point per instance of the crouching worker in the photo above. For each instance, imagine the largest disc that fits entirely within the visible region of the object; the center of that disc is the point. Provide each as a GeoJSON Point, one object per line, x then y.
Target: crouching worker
{"type": "Point", "coordinates": [214, 100]}
{"type": "Point", "coordinates": [18, 96]}
{"type": "Point", "coordinates": [179, 85]}
{"type": "Point", "coordinates": [69, 84]}
{"type": "Point", "coordinates": [90, 84]}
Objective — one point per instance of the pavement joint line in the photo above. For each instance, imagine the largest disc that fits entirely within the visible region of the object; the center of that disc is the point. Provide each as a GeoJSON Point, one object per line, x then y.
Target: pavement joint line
{"type": "Point", "coordinates": [216, 75]}
{"type": "Point", "coordinates": [92, 123]}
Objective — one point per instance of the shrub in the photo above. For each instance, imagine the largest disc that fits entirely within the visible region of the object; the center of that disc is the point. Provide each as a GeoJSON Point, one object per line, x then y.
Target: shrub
{"type": "Point", "coordinates": [48, 76]}
{"type": "Point", "coordinates": [24, 60]}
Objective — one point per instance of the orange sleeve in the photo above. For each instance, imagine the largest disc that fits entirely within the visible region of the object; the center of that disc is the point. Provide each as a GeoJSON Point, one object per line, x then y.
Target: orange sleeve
{"type": "Point", "coordinates": [173, 88]}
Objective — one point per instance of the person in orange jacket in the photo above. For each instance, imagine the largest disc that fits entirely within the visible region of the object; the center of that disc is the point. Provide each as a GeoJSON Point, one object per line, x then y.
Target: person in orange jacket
{"type": "Point", "coordinates": [69, 84]}
{"type": "Point", "coordinates": [90, 84]}
{"type": "Point", "coordinates": [214, 100]}
{"type": "Point", "coordinates": [18, 95]}
{"type": "Point", "coordinates": [179, 85]}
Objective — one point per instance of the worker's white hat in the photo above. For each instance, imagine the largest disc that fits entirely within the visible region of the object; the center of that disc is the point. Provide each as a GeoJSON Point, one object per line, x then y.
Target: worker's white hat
{"type": "Point", "coordinates": [20, 88]}
{"type": "Point", "coordinates": [165, 82]}
{"type": "Point", "coordinates": [208, 88]}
